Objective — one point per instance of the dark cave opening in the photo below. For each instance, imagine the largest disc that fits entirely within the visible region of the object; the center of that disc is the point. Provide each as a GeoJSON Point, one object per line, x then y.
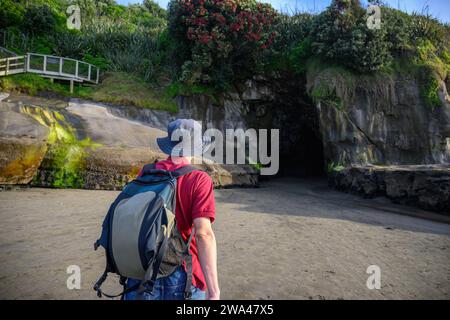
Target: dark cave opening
{"type": "Point", "coordinates": [304, 157]}
{"type": "Point", "coordinates": [295, 114]}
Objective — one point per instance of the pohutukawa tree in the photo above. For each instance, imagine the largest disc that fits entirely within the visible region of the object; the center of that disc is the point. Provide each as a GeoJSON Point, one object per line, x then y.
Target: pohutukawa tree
{"type": "Point", "coordinates": [220, 42]}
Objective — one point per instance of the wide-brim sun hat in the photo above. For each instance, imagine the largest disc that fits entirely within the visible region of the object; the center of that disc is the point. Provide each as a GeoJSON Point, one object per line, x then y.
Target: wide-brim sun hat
{"type": "Point", "coordinates": [184, 139]}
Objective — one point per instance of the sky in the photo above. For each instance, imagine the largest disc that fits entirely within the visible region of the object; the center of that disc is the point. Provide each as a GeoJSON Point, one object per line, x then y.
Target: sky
{"type": "Point", "coordinates": [438, 8]}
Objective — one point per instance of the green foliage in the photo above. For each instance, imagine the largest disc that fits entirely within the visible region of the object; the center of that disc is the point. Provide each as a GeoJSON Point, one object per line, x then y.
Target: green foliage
{"type": "Point", "coordinates": [429, 89]}
{"type": "Point", "coordinates": [337, 86]}
{"type": "Point", "coordinates": [340, 34]}
{"type": "Point", "coordinates": [39, 20]}
{"type": "Point", "coordinates": [41, 45]}
{"type": "Point", "coordinates": [398, 30]}
{"type": "Point", "coordinates": [11, 13]}
{"type": "Point", "coordinates": [134, 17]}
{"type": "Point", "coordinates": [31, 84]}
{"type": "Point", "coordinates": [327, 95]}
{"type": "Point", "coordinates": [431, 68]}
{"type": "Point", "coordinates": [125, 89]}
{"type": "Point", "coordinates": [292, 47]}
{"type": "Point", "coordinates": [116, 37]}
{"type": "Point", "coordinates": [424, 27]}
{"type": "Point", "coordinates": [100, 62]}
{"type": "Point", "coordinates": [299, 55]}
{"type": "Point", "coordinates": [335, 167]}
{"type": "Point", "coordinates": [117, 88]}
{"type": "Point", "coordinates": [178, 88]}
{"type": "Point", "coordinates": [154, 9]}
{"type": "Point", "coordinates": [207, 46]}
{"type": "Point", "coordinates": [427, 54]}
{"type": "Point", "coordinates": [114, 46]}
{"type": "Point", "coordinates": [292, 29]}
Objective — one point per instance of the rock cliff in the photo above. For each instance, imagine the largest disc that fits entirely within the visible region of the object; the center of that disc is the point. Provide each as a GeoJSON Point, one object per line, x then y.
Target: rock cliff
{"type": "Point", "coordinates": [381, 121]}
{"type": "Point", "coordinates": [86, 145]}
{"type": "Point", "coordinates": [328, 120]}
{"type": "Point", "coordinates": [380, 138]}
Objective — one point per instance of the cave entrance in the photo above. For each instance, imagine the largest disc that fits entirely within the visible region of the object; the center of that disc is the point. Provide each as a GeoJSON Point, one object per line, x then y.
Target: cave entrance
{"type": "Point", "coordinates": [304, 156]}
{"type": "Point", "coordinates": [294, 113]}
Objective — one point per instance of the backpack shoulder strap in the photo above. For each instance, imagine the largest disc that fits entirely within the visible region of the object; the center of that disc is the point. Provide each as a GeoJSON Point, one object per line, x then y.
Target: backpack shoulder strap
{"type": "Point", "coordinates": [184, 170]}
{"type": "Point", "coordinates": [146, 169]}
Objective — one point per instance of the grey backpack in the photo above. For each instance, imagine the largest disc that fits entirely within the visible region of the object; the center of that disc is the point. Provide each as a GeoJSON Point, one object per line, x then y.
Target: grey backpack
{"type": "Point", "coordinates": [139, 233]}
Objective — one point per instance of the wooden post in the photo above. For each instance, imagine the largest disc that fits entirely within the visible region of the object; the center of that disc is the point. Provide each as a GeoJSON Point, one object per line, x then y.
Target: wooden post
{"type": "Point", "coordinates": [71, 86]}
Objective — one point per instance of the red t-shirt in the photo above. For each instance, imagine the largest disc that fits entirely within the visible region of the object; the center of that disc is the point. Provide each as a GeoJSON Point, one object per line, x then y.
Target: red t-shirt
{"type": "Point", "coordinates": [195, 199]}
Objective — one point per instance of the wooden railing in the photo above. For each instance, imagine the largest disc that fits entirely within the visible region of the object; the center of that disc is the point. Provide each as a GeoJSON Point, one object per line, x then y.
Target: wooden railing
{"type": "Point", "coordinates": [12, 65]}
{"type": "Point", "coordinates": [54, 66]}
{"type": "Point", "coordinates": [51, 67]}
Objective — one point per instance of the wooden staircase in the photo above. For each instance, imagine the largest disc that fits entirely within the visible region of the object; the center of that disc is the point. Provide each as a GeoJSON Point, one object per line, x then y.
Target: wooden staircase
{"type": "Point", "coordinates": [48, 66]}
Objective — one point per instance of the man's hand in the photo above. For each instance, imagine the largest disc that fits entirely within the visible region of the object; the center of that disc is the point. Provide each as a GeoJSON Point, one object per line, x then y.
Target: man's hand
{"type": "Point", "coordinates": [207, 254]}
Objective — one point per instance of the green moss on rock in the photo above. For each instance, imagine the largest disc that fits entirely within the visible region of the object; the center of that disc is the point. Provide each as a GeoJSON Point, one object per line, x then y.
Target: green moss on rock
{"type": "Point", "coordinates": [64, 163]}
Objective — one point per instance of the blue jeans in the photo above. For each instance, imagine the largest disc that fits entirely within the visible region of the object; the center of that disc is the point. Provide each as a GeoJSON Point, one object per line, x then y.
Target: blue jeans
{"type": "Point", "coordinates": [168, 288]}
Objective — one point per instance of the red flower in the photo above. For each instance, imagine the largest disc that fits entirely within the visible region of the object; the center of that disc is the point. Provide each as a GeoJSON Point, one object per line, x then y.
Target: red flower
{"type": "Point", "coordinates": [205, 38]}
{"type": "Point", "coordinates": [235, 27]}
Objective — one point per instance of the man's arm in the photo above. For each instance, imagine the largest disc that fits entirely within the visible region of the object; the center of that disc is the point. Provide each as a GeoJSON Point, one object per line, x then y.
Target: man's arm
{"type": "Point", "coordinates": [207, 254]}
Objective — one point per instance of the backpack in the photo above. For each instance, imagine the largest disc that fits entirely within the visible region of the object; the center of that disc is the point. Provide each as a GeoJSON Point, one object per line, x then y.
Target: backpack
{"type": "Point", "coordinates": [139, 233]}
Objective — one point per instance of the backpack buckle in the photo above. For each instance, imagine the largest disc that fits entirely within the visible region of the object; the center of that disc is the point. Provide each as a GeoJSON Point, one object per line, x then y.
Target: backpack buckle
{"type": "Point", "coordinates": [187, 295]}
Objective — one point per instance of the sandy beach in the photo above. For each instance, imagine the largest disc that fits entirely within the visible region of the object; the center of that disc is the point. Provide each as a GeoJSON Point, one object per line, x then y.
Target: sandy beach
{"type": "Point", "coordinates": [288, 239]}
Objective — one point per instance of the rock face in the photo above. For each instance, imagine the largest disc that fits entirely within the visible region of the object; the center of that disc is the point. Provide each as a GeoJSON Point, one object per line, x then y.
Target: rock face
{"type": "Point", "coordinates": [86, 145]}
{"type": "Point", "coordinates": [371, 126]}
{"type": "Point", "coordinates": [383, 121]}
{"type": "Point", "coordinates": [110, 168]}
{"type": "Point", "coordinates": [22, 146]}
{"type": "Point", "coordinates": [426, 186]}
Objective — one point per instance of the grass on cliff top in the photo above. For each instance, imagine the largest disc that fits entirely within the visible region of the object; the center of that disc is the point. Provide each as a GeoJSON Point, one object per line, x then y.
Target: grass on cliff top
{"type": "Point", "coordinates": [116, 88]}
{"type": "Point", "coordinates": [127, 89]}
{"type": "Point", "coordinates": [336, 85]}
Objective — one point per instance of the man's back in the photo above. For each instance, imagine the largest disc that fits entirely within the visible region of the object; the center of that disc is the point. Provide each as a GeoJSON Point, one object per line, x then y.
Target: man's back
{"type": "Point", "coordinates": [195, 199]}
{"type": "Point", "coordinates": [195, 210]}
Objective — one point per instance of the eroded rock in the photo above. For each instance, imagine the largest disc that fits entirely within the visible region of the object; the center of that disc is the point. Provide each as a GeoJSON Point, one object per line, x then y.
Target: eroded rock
{"type": "Point", "coordinates": [425, 186]}
{"type": "Point", "coordinates": [22, 145]}
{"type": "Point", "coordinates": [85, 145]}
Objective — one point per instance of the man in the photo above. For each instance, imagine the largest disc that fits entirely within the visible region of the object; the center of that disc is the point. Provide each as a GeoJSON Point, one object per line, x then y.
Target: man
{"type": "Point", "coordinates": [195, 212]}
